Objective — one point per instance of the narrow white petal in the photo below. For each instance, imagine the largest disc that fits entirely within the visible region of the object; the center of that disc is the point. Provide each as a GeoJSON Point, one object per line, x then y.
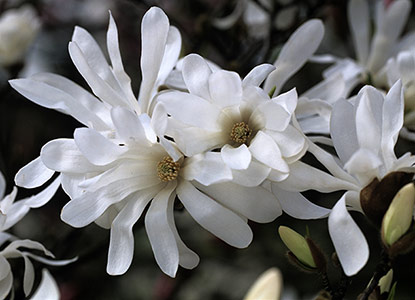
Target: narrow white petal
{"type": "Point", "coordinates": [297, 50]}
{"type": "Point", "coordinates": [252, 176]}
{"type": "Point", "coordinates": [257, 75]}
{"type": "Point", "coordinates": [44, 196]}
{"type": "Point", "coordinates": [97, 148]}
{"type": "Point", "coordinates": [392, 122]}
{"type": "Point", "coordinates": [62, 155]}
{"type": "Point", "coordinates": [2, 185]}
{"type": "Point", "coordinates": [225, 88]}
{"type": "Point", "coordinates": [4, 268]}
{"type": "Point", "coordinates": [121, 248]}
{"type": "Point", "coordinates": [343, 129]}
{"type": "Point", "coordinates": [154, 32]}
{"type": "Point", "coordinates": [264, 149]}
{"type": "Point", "coordinates": [359, 22]}
{"type": "Point", "coordinates": [171, 54]}
{"type": "Point", "coordinates": [159, 232]}
{"type": "Point", "coordinates": [255, 203]}
{"type": "Point", "coordinates": [304, 177]}
{"type": "Point", "coordinates": [214, 217]}
{"type": "Point", "coordinates": [349, 241]}
{"type": "Point", "coordinates": [297, 206]}
{"type": "Point", "coordinates": [236, 158]}
{"type": "Point", "coordinates": [84, 210]}
{"type": "Point", "coordinates": [6, 285]}
{"type": "Point", "coordinates": [34, 174]}
{"type": "Point", "coordinates": [48, 289]}
{"type": "Point", "coordinates": [29, 276]}
{"type": "Point", "coordinates": [196, 73]}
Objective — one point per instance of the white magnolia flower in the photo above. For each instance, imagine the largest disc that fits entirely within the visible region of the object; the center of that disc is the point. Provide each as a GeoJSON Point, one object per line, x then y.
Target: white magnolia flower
{"type": "Point", "coordinates": [252, 131]}
{"type": "Point", "coordinates": [372, 52]}
{"type": "Point", "coordinates": [364, 131]}
{"type": "Point", "coordinates": [112, 180]}
{"type": "Point", "coordinates": [10, 213]}
{"type": "Point", "coordinates": [161, 45]}
{"type": "Point", "coordinates": [18, 28]}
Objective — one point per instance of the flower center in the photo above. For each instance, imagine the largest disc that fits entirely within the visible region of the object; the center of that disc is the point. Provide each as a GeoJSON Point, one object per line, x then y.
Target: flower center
{"type": "Point", "coordinates": [167, 169]}
{"type": "Point", "coordinates": [240, 132]}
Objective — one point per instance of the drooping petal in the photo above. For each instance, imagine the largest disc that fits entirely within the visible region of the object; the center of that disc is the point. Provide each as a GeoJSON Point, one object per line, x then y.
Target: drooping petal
{"type": "Point", "coordinates": [296, 51]}
{"type": "Point", "coordinates": [34, 174]}
{"type": "Point", "coordinates": [236, 158]}
{"type": "Point", "coordinates": [255, 203]}
{"type": "Point", "coordinates": [214, 217]}
{"type": "Point", "coordinates": [121, 248]}
{"type": "Point", "coordinates": [160, 234]}
{"type": "Point", "coordinates": [297, 206]}
{"type": "Point", "coordinates": [225, 88]}
{"type": "Point", "coordinates": [44, 196]}
{"type": "Point", "coordinates": [349, 241]}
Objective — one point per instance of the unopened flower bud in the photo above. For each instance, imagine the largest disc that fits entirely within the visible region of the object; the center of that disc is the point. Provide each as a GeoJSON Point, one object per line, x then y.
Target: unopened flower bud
{"type": "Point", "coordinates": [385, 282]}
{"type": "Point", "coordinates": [399, 216]}
{"type": "Point", "coordinates": [267, 286]}
{"type": "Point", "coordinates": [298, 245]}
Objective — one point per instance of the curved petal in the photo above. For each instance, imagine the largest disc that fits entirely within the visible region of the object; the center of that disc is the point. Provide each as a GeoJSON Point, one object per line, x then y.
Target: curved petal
{"type": "Point", "coordinates": [159, 232]}
{"type": "Point", "coordinates": [214, 217]}
{"type": "Point", "coordinates": [121, 248]}
{"type": "Point", "coordinates": [265, 150]}
{"type": "Point", "coordinates": [236, 158]}
{"type": "Point", "coordinates": [297, 50]}
{"type": "Point", "coordinates": [297, 206]}
{"type": "Point", "coordinates": [44, 196]}
{"type": "Point", "coordinates": [48, 289]}
{"type": "Point", "coordinates": [34, 174]}
{"type": "Point", "coordinates": [127, 124]}
{"type": "Point", "coordinates": [254, 175]}
{"type": "Point", "coordinates": [257, 75]}
{"type": "Point", "coordinates": [349, 241]}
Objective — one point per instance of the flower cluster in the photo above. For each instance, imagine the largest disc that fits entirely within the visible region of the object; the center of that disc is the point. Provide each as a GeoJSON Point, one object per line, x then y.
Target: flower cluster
{"type": "Point", "coordinates": [230, 150]}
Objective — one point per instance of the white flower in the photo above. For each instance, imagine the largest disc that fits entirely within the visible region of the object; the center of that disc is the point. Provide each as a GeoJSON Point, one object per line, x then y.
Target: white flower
{"type": "Point", "coordinates": [18, 28]}
{"type": "Point", "coordinates": [364, 131]}
{"type": "Point", "coordinates": [252, 131]}
{"type": "Point", "coordinates": [112, 180]}
{"type": "Point", "coordinates": [161, 45]}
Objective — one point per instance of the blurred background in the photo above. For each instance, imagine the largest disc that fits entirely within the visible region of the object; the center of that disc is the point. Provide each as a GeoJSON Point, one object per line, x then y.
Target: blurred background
{"type": "Point", "coordinates": [236, 35]}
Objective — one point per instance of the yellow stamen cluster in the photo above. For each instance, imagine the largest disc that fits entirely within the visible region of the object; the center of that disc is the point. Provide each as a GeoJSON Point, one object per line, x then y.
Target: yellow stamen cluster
{"type": "Point", "coordinates": [240, 133]}
{"type": "Point", "coordinates": [167, 169]}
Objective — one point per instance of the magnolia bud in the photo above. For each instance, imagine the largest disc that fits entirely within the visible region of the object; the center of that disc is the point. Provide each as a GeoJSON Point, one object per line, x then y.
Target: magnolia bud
{"type": "Point", "coordinates": [399, 216]}
{"type": "Point", "coordinates": [298, 245]}
{"type": "Point", "coordinates": [385, 282]}
{"type": "Point", "coordinates": [267, 286]}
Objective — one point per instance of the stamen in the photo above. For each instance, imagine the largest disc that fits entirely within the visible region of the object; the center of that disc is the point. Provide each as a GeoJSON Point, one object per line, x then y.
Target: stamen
{"type": "Point", "coordinates": [240, 132]}
{"type": "Point", "coordinates": [167, 169]}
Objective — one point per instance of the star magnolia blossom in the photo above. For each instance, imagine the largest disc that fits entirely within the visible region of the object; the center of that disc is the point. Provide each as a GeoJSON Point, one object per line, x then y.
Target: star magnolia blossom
{"type": "Point", "coordinates": [364, 131]}
{"type": "Point", "coordinates": [161, 45]}
{"type": "Point", "coordinates": [10, 213]}
{"type": "Point", "coordinates": [252, 131]}
{"type": "Point", "coordinates": [115, 167]}
{"type": "Point", "coordinates": [112, 180]}
{"type": "Point", "coordinates": [372, 52]}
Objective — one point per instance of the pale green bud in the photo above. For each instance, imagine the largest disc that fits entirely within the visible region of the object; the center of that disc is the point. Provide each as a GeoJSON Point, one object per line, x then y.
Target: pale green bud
{"type": "Point", "coordinates": [297, 244]}
{"type": "Point", "coordinates": [268, 286]}
{"type": "Point", "coordinates": [398, 217]}
{"type": "Point", "coordinates": [385, 282]}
